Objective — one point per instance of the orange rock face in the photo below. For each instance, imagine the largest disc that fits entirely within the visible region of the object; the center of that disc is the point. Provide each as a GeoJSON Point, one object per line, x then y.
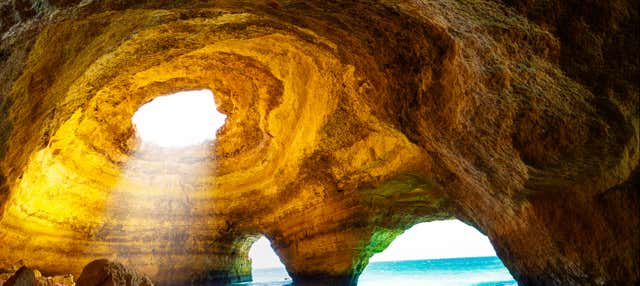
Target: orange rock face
{"type": "Point", "coordinates": [347, 122]}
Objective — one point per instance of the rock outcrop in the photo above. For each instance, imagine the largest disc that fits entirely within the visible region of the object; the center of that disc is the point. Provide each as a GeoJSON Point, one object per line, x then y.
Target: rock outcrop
{"type": "Point", "coordinates": [347, 122]}
{"type": "Point", "coordinates": [23, 277]}
{"type": "Point", "coordinates": [103, 272]}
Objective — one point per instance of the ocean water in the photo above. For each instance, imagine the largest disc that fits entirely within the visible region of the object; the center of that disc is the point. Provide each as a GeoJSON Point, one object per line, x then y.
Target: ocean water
{"type": "Point", "coordinates": [472, 271]}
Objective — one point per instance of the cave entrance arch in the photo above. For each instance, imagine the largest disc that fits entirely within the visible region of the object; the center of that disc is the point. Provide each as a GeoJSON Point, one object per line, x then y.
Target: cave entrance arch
{"type": "Point", "coordinates": [266, 266]}
{"type": "Point", "coordinates": [446, 252]}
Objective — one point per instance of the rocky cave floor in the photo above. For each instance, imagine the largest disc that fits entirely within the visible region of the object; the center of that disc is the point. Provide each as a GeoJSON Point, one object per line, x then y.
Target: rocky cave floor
{"type": "Point", "coordinates": [97, 273]}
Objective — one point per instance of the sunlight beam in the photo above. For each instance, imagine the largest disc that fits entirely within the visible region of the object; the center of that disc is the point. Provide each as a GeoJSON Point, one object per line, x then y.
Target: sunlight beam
{"type": "Point", "coordinates": [164, 181]}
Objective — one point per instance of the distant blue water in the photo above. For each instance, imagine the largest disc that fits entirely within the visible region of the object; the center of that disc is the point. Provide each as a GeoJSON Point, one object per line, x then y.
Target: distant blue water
{"type": "Point", "coordinates": [476, 271]}
{"type": "Point", "coordinates": [472, 271]}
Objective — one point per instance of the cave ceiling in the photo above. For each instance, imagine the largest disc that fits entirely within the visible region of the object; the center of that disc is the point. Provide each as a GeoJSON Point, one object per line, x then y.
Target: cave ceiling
{"type": "Point", "coordinates": [347, 122]}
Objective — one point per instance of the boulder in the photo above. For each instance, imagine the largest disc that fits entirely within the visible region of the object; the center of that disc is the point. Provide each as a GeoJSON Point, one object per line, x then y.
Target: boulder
{"type": "Point", "coordinates": [103, 272]}
{"type": "Point", "coordinates": [23, 277]}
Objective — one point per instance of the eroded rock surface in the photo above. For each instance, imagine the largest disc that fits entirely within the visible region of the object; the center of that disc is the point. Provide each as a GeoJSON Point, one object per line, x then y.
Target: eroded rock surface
{"type": "Point", "coordinates": [23, 277]}
{"type": "Point", "coordinates": [103, 272]}
{"type": "Point", "coordinates": [21, 274]}
{"type": "Point", "coordinates": [347, 122]}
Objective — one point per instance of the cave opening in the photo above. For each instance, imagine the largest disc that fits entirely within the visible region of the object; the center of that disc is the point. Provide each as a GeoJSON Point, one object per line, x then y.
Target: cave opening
{"type": "Point", "coordinates": [446, 252]}
{"type": "Point", "coordinates": [179, 120]}
{"type": "Point", "coordinates": [266, 266]}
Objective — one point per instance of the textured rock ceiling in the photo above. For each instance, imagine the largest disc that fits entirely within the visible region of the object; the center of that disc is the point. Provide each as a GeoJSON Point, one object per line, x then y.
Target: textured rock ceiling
{"type": "Point", "coordinates": [347, 122]}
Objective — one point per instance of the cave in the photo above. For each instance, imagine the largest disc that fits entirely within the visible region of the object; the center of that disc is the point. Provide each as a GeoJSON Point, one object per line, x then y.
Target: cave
{"type": "Point", "coordinates": [345, 123]}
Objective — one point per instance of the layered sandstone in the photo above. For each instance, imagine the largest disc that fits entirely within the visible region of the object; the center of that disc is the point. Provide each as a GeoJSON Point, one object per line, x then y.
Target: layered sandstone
{"type": "Point", "coordinates": [347, 122]}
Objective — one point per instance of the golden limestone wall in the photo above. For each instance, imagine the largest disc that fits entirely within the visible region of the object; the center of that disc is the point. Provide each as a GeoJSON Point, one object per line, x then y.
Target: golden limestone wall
{"type": "Point", "coordinates": [347, 122]}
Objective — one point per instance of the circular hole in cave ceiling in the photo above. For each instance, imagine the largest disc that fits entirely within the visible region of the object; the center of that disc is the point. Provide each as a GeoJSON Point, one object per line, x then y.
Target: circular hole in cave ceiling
{"type": "Point", "coordinates": [179, 120]}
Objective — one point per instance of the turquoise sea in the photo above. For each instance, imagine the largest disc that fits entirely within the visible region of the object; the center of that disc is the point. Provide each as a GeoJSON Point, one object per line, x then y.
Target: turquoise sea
{"type": "Point", "coordinates": [472, 271]}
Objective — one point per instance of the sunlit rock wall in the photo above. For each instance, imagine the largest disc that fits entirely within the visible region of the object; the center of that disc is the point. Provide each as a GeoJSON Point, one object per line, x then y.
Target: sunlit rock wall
{"type": "Point", "coordinates": [347, 122]}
